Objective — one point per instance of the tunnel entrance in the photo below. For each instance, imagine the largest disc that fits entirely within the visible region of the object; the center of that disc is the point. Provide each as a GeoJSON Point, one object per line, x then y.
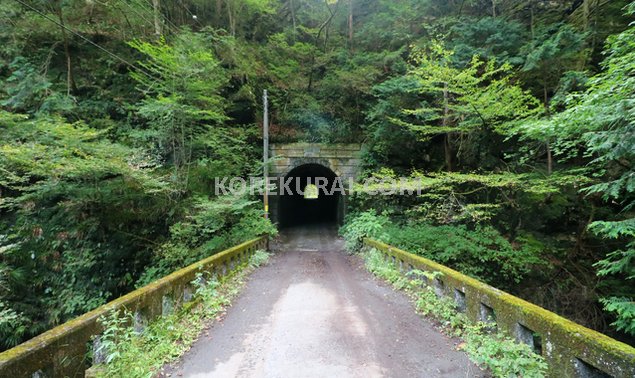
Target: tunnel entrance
{"type": "Point", "coordinates": [312, 203]}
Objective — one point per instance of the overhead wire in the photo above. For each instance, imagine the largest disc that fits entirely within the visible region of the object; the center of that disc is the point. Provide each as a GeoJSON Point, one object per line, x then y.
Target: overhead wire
{"type": "Point", "coordinates": [194, 17]}
{"type": "Point", "coordinates": [134, 10]}
{"type": "Point", "coordinates": [112, 54]}
{"type": "Point", "coordinates": [146, 14]}
{"type": "Point", "coordinates": [166, 19]}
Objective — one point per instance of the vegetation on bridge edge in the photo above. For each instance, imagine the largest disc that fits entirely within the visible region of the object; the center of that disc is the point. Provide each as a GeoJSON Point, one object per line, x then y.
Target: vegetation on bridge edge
{"type": "Point", "coordinates": [498, 353]}
{"type": "Point", "coordinates": [129, 354]}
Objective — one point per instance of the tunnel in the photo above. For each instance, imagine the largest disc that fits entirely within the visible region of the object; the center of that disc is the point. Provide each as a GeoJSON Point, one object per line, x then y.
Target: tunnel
{"type": "Point", "coordinates": [313, 203]}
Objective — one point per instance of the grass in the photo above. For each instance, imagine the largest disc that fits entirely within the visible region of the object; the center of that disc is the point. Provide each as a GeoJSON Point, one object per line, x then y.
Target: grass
{"type": "Point", "coordinates": [142, 355]}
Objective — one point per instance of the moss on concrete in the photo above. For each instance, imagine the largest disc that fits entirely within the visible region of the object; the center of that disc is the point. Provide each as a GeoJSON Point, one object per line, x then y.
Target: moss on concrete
{"type": "Point", "coordinates": [54, 349]}
{"type": "Point", "coordinates": [563, 340]}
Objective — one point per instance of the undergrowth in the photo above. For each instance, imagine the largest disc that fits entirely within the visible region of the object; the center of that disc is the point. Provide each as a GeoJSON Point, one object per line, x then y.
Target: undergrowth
{"type": "Point", "coordinates": [132, 354]}
{"type": "Point", "coordinates": [480, 252]}
{"type": "Point", "coordinates": [502, 355]}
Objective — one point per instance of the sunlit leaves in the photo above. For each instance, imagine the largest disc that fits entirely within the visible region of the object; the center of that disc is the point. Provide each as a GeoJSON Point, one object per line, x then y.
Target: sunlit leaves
{"type": "Point", "coordinates": [482, 95]}
{"type": "Point", "coordinates": [182, 81]}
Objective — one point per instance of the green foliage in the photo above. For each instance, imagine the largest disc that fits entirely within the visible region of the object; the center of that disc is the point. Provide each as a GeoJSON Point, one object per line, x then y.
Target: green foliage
{"type": "Point", "coordinates": [623, 309]}
{"type": "Point", "coordinates": [481, 252]}
{"type": "Point", "coordinates": [182, 83]}
{"type": "Point", "coordinates": [550, 46]}
{"type": "Point", "coordinates": [13, 326]}
{"type": "Point", "coordinates": [602, 121]}
{"type": "Point", "coordinates": [27, 90]}
{"type": "Point", "coordinates": [501, 354]}
{"type": "Point", "coordinates": [70, 200]}
{"type": "Point", "coordinates": [389, 143]}
{"type": "Point", "coordinates": [364, 225]}
{"type": "Point", "coordinates": [554, 49]}
{"type": "Point", "coordinates": [105, 180]}
{"type": "Point", "coordinates": [376, 264]}
{"type": "Point", "coordinates": [471, 198]}
{"type": "Point", "coordinates": [214, 224]}
{"type": "Point", "coordinates": [490, 38]}
{"type": "Point", "coordinates": [482, 95]}
{"type": "Point", "coordinates": [259, 258]}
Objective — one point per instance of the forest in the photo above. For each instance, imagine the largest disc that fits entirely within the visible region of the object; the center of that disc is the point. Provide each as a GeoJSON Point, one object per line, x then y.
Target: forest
{"type": "Point", "coordinates": [117, 115]}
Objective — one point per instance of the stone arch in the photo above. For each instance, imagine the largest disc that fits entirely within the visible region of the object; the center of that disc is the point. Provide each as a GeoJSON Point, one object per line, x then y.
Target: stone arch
{"type": "Point", "coordinates": [341, 159]}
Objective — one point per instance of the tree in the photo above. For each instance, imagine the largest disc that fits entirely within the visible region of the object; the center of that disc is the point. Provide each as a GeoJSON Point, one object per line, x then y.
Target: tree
{"type": "Point", "coordinates": [70, 203]}
{"type": "Point", "coordinates": [457, 101]}
{"type": "Point", "coordinates": [182, 82]}
{"type": "Point", "coordinates": [244, 10]}
{"type": "Point", "coordinates": [605, 119]}
{"type": "Point", "coordinates": [350, 24]}
{"type": "Point", "coordinates": [489, 38]}
{"type": "Point", "coordinates": [601, 121]}
{"type": "Point", "coordinates": [552, 52]}
{"type": "Point", "coordinates": [156, 12]}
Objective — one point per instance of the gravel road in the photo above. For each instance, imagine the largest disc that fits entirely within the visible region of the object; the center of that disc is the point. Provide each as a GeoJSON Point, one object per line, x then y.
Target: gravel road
{"type": "Point", "coordinates": [314, 311]}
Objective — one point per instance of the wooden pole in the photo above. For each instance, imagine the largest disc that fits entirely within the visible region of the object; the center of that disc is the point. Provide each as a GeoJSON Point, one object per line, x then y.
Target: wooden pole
{"type": "Point", "coordinates": [265, 154]}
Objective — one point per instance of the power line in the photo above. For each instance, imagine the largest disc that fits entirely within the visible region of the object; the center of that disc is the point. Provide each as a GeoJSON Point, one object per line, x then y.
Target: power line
{"type": "Point", "coordinates": [194, 17]}
{"type": "Point", "coordinates": [149, 11]}
{"type": "Point", "coordinates": [166, 19]}
{"type": "Point", "coordinates": [146, 12]}
{"type": "Point", "coordinates": [112, 54]}
{"type": "Point", "coordinates": [135, 12]}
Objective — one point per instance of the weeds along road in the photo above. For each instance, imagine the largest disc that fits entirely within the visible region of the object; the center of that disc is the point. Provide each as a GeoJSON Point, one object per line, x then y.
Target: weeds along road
{"type": "Point", "coordinates": [314, 311]}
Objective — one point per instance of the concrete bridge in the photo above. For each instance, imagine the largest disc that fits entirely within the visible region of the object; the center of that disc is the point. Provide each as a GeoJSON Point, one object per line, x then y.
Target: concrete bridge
{"type": "Point", "coordinates": [304, 161]}
{"type": "Point", "coordinates": [313, 311]}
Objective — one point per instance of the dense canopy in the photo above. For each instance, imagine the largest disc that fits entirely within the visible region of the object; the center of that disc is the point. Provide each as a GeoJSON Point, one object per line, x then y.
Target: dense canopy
{"type": "Point", "coordinates": [117, 115]}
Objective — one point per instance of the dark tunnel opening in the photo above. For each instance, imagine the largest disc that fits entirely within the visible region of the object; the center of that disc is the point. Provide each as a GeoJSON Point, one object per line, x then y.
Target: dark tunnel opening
{"type": "Point", "coordinates": [309, 205]}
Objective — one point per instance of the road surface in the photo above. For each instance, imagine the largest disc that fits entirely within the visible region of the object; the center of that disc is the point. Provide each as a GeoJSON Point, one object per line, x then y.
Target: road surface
{"type": "Point", "coordinates": [314, 311]}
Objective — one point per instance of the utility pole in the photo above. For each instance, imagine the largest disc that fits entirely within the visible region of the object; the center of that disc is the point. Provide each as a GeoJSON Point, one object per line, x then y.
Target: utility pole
{"type": "Point", "coordinates": [265, 153]}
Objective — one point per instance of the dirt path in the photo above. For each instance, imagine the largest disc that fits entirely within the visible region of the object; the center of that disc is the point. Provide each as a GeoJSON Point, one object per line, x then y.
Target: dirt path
{"type": "Point", "coordinates": [313, 311]}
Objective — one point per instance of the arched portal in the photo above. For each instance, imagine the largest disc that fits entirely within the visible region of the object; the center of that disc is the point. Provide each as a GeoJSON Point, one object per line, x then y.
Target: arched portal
{"type": "Point", "coordinates": [307, 203]}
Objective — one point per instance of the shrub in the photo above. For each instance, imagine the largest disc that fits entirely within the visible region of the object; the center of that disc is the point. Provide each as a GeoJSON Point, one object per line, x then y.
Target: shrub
{"type": "Point", "coordinates": [363, 225]}
{"type": "Point", "coordinates": [481, 252]}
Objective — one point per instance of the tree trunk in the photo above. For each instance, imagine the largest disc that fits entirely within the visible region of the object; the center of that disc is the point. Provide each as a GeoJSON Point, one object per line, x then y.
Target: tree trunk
{"type": "Point", "coordinates": [532, 23]}
{"type": "Point", "coordinates": [327, 24]}
{"type": "Point", "coordinates": [70, 79]}
{"type": "Point", "coordinates": [586, 11]}
{"type": "Point", "coordinates": [447, 149]}
{"type": "Point", "coordinates": [156, 7]}
{"type": "Point", "coordinates": [547, 143]}
{"type": "Point", "coordinates": [219, 10]}
{"type": "Point", "coordinates": [230, 19]}
{"type": "Point", "coordinates": [447, 142]}
{"type": "Point", "coordinates": [323, 27]}
{"type": "Point", "coordinates": [350, 24]}
{"type": "Point", "coordinates": [549, 158]}
{"type": "Point", "coordinates": [493, 8]}
{"type": "Point", "coordinates": [292, 8]}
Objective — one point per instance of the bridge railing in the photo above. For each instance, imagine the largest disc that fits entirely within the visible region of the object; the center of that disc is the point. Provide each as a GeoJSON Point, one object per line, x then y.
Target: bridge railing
{"type": "Point", "coordinates": [63, 350]}
{"type": "Point", "coordinates": [569, 349]}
